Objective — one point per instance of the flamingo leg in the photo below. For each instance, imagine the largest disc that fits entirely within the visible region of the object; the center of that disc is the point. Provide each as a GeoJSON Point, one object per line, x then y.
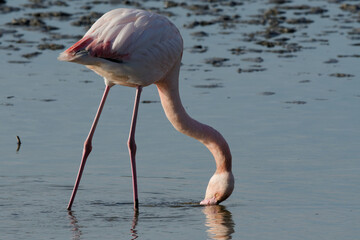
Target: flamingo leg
{"type": "Point", "coordinates": [88, 146]}
{"type": "Point", "coordinates": [132, 146]}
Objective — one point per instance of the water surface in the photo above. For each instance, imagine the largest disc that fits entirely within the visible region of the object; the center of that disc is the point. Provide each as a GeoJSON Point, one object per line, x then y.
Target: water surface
{"type": "Point", "coordinates": [291, 119]}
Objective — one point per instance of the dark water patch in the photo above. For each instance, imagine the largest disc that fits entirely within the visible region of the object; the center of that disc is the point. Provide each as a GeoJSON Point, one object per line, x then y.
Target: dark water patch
{"type": "Point", "coordinates": [282, 40]}
{"type": "Point", "coordinates": [6, 104]}
{"type": "Point", "coordinates": [287, 56]}
{"type": "Point", "coordinates": [268, 44]}
{"type": "Point", "coordinates": [287, 48]}
{"type": "Point", "coordinates": [153, 193]}
{"type": "Point", "coordinates": [212, 79]}
{"type": "Point", "coordinates": [86, 7]}
{"type": "Point", "coordinates": [86, 81]}
{"type": "Point", "coordinates": [199, 34]}
{"type": "Point", "coordinates": [216, 61]}
{"type": "Point", "coordinates": [314, 40]}
{"type": "Point", "coordinates": [354, 31]}
{"type": "Point", "coordinates": [112, 219]}
{"type": "Point", "coordinates": [331, 61]}
{"type": "Point", "coordinates": [47, 100]}
{"type": "Point", "coordinates": [31, 24]}
{"type": "Point", "coordinates": [8, 9]}
{"type": "Point", "coordinates": [174, 204]}
{"type": "Point", "coordinates": [58, 36]}
{"type": "Point", "coordinates": [304, 81]}
{"type": "Point", "coordinates": [252, 21]}
{"type": "Point", "coordinates": [9, 48]}
{"type": "Point", "coordinates": [36, 5]}
{"type": "Point", "coordinates": [328, 32]}
{"type": "Point", "coordinates": [279, 1]}
{"type": "Point", "coordinates": [251, 70]}
{"type": "Point", "coordinates": [87, 20]}
{"type": "Point", "coordinates": [244, 50]}
{"type": "Point", "coordinates": [255, 60]}
{"type": "Point", "coordinates": [50, 46]}
{"type": "Point", "coordinates": [109, 204]}
{"type": "Point", "coordinates": [7, 31]}
{"type": "Point", "coordinates": [353, 8]}
{"type": "Point", "coordinates": [59, 3]}
{"type": "Point", "coordinates": [294, 47]}
{"type": "Point", "coordinates": [130, 3]}
{"type": "Point", "coordinates": [341, 75]}
{"type": "Point", "coordinates": [224, 20]}
{"type": "Point", "coordinates": [214, 85]}
{"type": "Point", "coordinates": [354, 38]}
{"type": "Point", "coordinates": [18, 62]}
{"type": "Point", "coordinates": [43, 99]}
{"type": "Point", "coordinates": [315, 10]}
{"type": "Point", "coordinates": [295, 7]}
{"type": "Point", "coordinates": [231, 3]}
{"type": "Point", "coordinates": [199, 8]}
{"type": "Point", "coordinates": [21, 41]}
{"type": "Point", "coordinates": [349, 56]}
{"type": "Point", "coordinates": [198, 49]}
{"type": "Point", "coordinates": [149, 101]}
{"type": "Point", "coordinates": [162, 12]}
{"type": "Point", "coordinates": [305, 9]}
{"type": "Point", "coordinates": [267, 93]}
{"type": "Point", "coordinates": [171, 4]}
{"type": "Point", "coordinates": [59, 14]}
{"type": "Point", "coordinates": [31, 55]}
{"type": "Point", "coordinates": [275, 31]}
{"type": "Point", "coordinates": [39, 4]}
{"type": "Point", "coordinates": [195, 23]}
{"type": "Point", "coordinates": [296, 102]}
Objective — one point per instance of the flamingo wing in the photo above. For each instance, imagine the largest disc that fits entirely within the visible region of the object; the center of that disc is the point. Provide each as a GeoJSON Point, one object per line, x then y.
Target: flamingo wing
{"type": "Point", "coordinates": [128, 47]}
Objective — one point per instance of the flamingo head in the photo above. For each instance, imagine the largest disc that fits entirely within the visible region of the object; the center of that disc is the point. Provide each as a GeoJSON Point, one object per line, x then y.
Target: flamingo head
{"type": "Point", "coordinates": [220, 187]}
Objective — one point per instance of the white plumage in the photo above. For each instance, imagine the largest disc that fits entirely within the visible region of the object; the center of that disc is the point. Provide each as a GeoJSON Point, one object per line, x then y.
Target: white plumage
{"type": "Point", "coordinates": [128, 47]}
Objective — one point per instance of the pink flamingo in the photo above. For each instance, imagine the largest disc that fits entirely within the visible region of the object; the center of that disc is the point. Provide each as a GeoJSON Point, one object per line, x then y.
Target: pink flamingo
{"type": "Point", "coordinates": [137, 48]}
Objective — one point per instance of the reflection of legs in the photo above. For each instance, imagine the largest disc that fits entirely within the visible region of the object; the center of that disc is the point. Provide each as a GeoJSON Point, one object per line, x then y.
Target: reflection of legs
{"type": "Point", "coordinates": [133, 230]}
{"type": "Point", "coordinates": [88, 146]}
{"type": "Point", "coordinates": [132, 146]}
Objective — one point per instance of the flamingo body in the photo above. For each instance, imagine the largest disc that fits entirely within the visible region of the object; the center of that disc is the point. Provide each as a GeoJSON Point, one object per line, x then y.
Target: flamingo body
{"type": "Point", "coordinates": [128, 47]}
{"type": "Point", "coordinates": [136, 48]}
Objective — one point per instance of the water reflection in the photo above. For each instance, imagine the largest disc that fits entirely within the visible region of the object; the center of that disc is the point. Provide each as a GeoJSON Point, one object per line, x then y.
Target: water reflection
{"type": "Point", "coordinates": [133, 231]}
{"type": "Point", "coordinates": [77, 231]}
{"type": "Point", "coordinates": [219, 222]}
{"type": "Point", "coordinates": [75, 226]}
{"type": "Point", "coordinates": [18, 143]}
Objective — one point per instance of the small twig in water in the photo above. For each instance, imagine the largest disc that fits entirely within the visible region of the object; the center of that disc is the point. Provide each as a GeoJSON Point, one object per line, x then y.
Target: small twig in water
{"type": "Point", "coordinates": [18, 143]}
{"type": "Point", "coordinates": [18, 140]}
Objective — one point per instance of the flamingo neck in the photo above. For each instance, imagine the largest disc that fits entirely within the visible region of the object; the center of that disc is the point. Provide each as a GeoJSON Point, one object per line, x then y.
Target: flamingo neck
{"type": "Point", "coordinates": [170, 99]}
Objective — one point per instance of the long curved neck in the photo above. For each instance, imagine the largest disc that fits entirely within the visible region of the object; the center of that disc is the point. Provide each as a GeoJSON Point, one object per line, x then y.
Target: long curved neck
{"type": "Point", "coordinates": [170, 99]}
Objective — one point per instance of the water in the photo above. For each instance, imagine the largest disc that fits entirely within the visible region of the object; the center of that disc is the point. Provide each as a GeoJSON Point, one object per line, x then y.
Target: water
{"type": "Point", "coordinates": [293, 130]}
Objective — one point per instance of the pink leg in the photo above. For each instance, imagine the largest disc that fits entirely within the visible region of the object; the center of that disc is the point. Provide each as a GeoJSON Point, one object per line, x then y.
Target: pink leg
{"type": "Point", "coordinates": [132, 146]}
{"type": "Point", "coordinates": [88, 147]}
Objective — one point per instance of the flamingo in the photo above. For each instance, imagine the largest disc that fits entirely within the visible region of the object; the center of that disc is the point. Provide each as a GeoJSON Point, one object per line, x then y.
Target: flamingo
{"type": "Point", "coordinates": [136, 48]}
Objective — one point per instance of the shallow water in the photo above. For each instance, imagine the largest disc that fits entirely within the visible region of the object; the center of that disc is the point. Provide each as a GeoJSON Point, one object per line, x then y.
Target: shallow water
{"type": "Point", "coordinates": [292, 122]}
